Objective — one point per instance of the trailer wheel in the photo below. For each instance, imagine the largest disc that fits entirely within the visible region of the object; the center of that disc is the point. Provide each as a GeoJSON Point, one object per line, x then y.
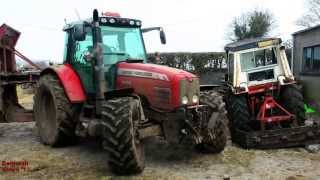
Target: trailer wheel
{"type": "Point", "coordinates": [120, 117]}
{"type": "Point", "coordinates": [215, 136]}
{"type": "Point", "coordinates": [292, 100]}
{"type": "Point", "coordinates": [238, 111]}
{"type": "Point", "coordinates": [53, 113]}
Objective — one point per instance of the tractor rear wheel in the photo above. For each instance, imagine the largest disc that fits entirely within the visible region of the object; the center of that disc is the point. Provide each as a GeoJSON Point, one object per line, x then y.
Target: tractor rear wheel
{"type": "Point", "coordinates": [120, 117]}
{"type": "Point", "coordinates": [215, 136]}
{"type": "Point", "coordinates": [238, 111]}
{"type": "Point", "coordinates": [292, 100]}
{"type": "Point", "coordinates": [53, 113]}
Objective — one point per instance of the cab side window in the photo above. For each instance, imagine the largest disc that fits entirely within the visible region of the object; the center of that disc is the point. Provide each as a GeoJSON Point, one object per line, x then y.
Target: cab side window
{"type": "Point", "coordinates": [230, 66]}
{"type": "Point", "coordinates": [81, 48]}
{"type": "Point", "coordinates": [66, 39]}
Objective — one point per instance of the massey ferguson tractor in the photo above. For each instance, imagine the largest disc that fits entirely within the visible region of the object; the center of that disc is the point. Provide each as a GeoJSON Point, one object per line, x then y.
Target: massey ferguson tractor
{"type": "Point", "coordinates": [105, 89]}
{"type": "Point", "coordinates": [265, 105]}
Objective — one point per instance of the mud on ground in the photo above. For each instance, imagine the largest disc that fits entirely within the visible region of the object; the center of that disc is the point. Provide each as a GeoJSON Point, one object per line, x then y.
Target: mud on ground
{"type": "Point", "coordinates": [87, 160]}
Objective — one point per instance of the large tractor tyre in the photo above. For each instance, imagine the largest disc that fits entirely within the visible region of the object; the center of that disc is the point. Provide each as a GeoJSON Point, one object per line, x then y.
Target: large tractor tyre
{"type": "Point", "coordinates": [215, 136]}
{"type": "Point", "coordinates": [238, 111]}
{"type": "Point", "coordinates": [120, 117]}
{"type": "Point", "coordinates": [292, 100]}
{"type": "Point", "coordinates": [53, 113]}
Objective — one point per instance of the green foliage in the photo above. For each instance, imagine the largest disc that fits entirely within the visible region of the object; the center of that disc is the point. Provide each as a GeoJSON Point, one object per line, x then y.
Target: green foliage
{"type": "Point", "coordinates": [251, 25]}
{"type": "Point", "coordinates": [193, 62]}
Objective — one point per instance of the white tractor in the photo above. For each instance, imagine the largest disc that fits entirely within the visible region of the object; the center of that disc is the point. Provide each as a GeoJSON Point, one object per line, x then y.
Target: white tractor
{"type": "Point", "coordinates": [265, 104]}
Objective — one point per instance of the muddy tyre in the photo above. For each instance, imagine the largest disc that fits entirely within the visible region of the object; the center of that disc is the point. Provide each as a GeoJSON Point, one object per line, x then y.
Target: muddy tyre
{"type": "Point", "coordinates": [53, 113]}
{"type": "Point", "coordinates": [120, 117]}
{"type": "Point", "coordinates": [292, 100]}
{"type": "Point", "coordinates": [238, 111]}
{"type": "Point", "coordinates": [215, 136]}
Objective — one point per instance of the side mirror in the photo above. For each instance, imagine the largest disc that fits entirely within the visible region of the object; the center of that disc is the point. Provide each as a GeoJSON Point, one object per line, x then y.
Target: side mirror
{"type": "Point", "coordinates": [79, 32]}
{"type": "Point", "coordinates": [163, 37]}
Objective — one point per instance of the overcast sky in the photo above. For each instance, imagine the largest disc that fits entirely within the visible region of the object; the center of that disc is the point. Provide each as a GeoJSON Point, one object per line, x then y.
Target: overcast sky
{"type": "Point", "coordinates": [190, 25]}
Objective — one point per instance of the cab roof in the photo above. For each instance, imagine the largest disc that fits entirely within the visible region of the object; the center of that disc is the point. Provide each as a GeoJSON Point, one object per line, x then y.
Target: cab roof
{"type": "Point", "coordinates": [251, 43]}
{"type": "Point", "coordinates": [106, 20]}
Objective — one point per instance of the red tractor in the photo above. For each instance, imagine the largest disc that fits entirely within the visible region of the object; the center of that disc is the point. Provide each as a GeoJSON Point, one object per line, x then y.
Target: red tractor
{"type": "Point", "coordinates": [105, 89]}
{"type": "Point", "coordinates": [264, 102]}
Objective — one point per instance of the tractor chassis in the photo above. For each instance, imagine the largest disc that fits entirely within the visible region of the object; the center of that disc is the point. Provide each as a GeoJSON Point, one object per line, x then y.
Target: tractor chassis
{"type": "Point", "coordinates": [278, 138]}
{"type": "Point", "coordinates": [173, 126]}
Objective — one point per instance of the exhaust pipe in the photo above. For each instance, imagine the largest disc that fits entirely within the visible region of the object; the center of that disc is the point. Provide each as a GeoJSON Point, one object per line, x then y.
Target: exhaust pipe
{"type": "Point", "coordinates": [101, 84]}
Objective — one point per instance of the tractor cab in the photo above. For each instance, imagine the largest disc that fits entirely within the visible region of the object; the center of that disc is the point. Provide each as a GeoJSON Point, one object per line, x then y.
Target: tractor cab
{"type": "Point", "coordinates": [117, 40]}
{"type": "Point", "coordinates": [254, 63]}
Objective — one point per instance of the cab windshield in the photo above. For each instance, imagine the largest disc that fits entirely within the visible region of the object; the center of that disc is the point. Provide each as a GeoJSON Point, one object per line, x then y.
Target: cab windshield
{"type": "Point", "coordinates": [259, 58]}
{"type": "Point", "coordinates": [120, 43]}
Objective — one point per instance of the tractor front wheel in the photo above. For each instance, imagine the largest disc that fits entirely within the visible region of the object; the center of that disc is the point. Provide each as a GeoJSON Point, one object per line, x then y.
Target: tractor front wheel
{"type": "Point", "coordinates": [120, 117]}
{"type": "Point", "coordinates": [215, 135]}
{"type": "Point", "coordinates": [53, 113]}
{"type": "Point", "coordinates": [292, 100]}
{"type": "Point", "coordinates": [238, 111]}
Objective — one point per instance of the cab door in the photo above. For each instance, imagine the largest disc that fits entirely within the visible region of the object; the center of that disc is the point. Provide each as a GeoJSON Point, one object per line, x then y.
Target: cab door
{"type": "Point", "coordinates": [77, 51]}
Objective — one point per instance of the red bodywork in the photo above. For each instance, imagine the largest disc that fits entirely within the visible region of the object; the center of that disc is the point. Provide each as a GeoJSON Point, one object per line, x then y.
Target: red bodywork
{"type": "Point", "coordinates": [267, 104]}
{"type": "Point", "coordinates": [159, 84]}
{"type": "Point", "coordinates": [8, 38]}
{"type": "Point", "coordinates": [70, 81]}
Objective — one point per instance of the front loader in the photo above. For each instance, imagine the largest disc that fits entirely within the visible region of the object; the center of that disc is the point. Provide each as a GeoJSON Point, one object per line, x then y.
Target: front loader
{"type": "Point", "coordinates": [106, 89]}
{"type": "Point", "coordinates": [264, 102]}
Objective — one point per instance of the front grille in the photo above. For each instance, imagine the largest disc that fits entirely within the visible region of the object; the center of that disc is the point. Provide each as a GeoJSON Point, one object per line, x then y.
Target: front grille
{"type": "Point", "coordinates": [261, 75]}
{"type": "Point", "coordinates": [189, 88]}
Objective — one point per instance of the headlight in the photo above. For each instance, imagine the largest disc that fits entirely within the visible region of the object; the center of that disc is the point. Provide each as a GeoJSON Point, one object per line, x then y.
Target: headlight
{"type": "Point", "coordinates": [195, 99]}
{"type": "Point", "coordinates": [184, 100]}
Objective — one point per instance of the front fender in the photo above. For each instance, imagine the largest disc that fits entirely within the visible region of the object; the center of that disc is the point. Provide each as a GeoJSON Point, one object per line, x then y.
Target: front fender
{"type": "Point", "coordinates": [70, 81]}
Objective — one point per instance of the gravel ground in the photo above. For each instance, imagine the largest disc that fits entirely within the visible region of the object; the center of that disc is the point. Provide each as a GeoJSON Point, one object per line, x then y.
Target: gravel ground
{"type": "Point", "coordinates": [87, 160]}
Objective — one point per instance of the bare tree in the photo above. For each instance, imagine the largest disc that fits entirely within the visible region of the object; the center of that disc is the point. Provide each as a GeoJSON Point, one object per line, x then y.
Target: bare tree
{"type": "Point", "coordinates": [288, 43]}
{"type": "Point", "coordinates": [311, 16]}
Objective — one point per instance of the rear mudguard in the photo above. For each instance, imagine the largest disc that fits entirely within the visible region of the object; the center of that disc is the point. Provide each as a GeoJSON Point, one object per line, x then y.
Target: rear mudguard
{"type": "Point", "coordinates": [70, 81]}
{"type": "Point", "coordinates": [279, 138]}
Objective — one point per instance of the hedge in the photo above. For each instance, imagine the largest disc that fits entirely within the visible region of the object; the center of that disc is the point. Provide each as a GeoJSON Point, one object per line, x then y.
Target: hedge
{"type": "Point", "coordinates": [198, 63]}
{"type": "Point", "coordinates": [193, 62]}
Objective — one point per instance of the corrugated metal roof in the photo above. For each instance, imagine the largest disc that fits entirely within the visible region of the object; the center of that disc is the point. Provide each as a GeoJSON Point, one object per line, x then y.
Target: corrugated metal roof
{"type": "Point", "coordinates": [306, 30]}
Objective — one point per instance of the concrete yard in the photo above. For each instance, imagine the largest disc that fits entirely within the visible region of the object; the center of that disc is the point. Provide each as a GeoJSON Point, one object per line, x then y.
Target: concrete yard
{"type": "Point", "coordinates": [88, 160]}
